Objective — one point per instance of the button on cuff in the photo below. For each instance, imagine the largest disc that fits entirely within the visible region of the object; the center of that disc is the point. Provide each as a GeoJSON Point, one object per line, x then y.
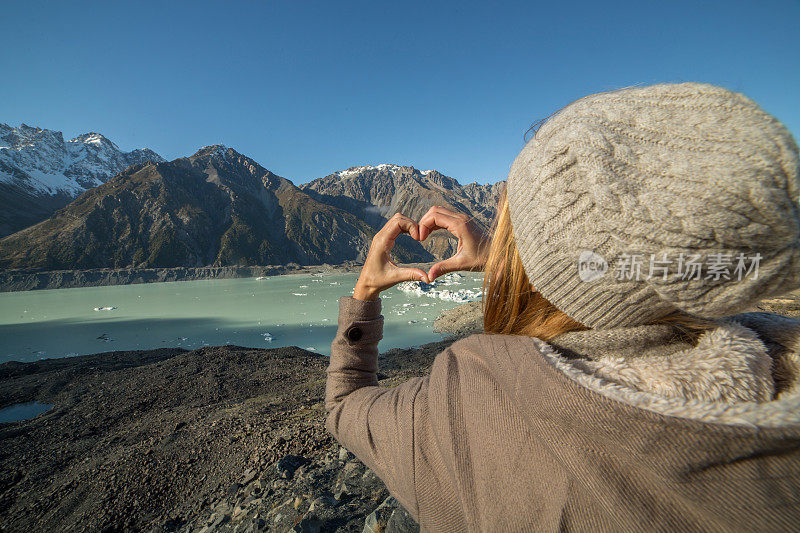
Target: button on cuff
{"type": "Point", "coordinates": [354, 334]}
{"type": "Point", "coordinates": [362, 332]}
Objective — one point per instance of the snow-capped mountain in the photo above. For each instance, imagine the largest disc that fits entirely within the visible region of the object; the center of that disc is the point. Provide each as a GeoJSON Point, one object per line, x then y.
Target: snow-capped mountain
{"type": "Point", "coordinates": [383, 167]}
{"type": "Point", "coordinates": [216, 207]}
{"type": "Point", "coordinates": [43, 161]}
{"type": "Point", "coordinates": [41, 172]}
{"type": "Point", "coordinates": [375, 192]}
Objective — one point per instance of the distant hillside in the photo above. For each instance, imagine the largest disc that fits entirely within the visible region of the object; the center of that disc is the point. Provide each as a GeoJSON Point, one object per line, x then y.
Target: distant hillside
{"type": "Point", "coordinates": [41, 172]}
{"type": "Point", "coordinates": [216, 207]}
{"type": "Point", "coordinates": [374, 193]}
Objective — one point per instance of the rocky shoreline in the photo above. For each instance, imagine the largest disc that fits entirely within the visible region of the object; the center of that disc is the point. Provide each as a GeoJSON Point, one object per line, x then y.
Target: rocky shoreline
{"type": "Point", "coordinates": [22, 280]}
{"type": "Point", "coordinates": [216, 439]}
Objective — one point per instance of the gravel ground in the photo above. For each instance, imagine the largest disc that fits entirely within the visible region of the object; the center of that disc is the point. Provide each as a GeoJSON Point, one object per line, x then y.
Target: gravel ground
{"type": "Point", "coordinates": [219, 438]}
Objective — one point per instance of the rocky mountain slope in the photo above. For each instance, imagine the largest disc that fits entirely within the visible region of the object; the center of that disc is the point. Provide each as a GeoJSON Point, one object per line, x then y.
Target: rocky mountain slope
{"type": "Point", "coordinates": [216, 207]}
{"type": "Point", "coordinates": [41, 172]}
{"type": "Point", "coordinates": [220, 208]}
{"type": "Point", "coordinates": [374, 193]}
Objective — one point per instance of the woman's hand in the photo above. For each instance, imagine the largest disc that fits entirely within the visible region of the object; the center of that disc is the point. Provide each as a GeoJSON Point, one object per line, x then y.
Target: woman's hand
{"type": "Point", "coordinates": [379, 272]}
{"type": "Point", "coordinates": [473, 242]}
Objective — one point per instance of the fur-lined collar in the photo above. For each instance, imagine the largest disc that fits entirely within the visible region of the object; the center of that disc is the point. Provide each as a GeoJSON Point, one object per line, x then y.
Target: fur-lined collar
{"type": "Point", "coordinates": [746, 371]}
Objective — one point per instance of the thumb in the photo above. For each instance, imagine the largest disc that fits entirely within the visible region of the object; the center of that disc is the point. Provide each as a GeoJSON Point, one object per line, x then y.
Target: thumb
{"type": "Point", "coordinates": [409, 274]}
{"type": "Point", "coordinates": [443, 267]}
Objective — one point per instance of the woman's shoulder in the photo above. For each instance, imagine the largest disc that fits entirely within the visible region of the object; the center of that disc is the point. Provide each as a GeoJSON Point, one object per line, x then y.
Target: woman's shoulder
{"type": "Point", "coordinates": [487, 344]}
{"type": "Point", "coordinates": [501, 356]}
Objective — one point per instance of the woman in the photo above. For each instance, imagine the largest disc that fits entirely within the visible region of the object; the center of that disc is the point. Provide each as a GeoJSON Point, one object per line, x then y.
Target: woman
{"type": "Point", "coordinates": [616, 387]}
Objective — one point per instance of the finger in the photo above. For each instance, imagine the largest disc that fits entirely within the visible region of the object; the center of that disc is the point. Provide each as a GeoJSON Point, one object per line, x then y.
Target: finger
{"type": "Point", "coordinates": [408, 274]}
{"type": "Point", "coordinates": [395, 226]}
{"type": "Point", "coordinates": [435, 219]}
{"type": "Point", "coordinates": [451, 264]}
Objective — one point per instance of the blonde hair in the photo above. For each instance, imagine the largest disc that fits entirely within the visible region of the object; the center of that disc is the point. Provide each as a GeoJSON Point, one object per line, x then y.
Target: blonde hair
{"type": "Point", "coordinates": [512, 307]}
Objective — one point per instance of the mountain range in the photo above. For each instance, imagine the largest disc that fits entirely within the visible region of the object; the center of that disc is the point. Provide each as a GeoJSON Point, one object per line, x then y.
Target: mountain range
{"type": "Point", "coordinates": [378, 192]}
{"type": "Point", "coordinates": [41, 172]}
{"type": "Point", "coordinates": [221, 208]}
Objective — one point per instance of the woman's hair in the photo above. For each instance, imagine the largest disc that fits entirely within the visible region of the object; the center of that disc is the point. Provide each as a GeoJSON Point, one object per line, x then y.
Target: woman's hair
{"type": "Point", "coordinates": [512, 307]}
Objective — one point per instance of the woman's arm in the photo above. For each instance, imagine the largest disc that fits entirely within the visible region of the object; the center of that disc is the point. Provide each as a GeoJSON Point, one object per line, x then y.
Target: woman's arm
{"type": "Point", "coordinates": [376, 423]}
{"type": "Point", "coordinates": [383, 426]}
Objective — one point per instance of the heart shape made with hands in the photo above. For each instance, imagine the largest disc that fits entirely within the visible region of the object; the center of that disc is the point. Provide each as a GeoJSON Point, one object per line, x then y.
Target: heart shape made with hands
{"type": "Point", "coordinates": [380, 272]}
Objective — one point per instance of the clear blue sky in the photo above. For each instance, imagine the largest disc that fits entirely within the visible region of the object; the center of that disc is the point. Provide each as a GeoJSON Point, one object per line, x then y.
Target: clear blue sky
{"type": "Point", "coordinates": [307, 88]}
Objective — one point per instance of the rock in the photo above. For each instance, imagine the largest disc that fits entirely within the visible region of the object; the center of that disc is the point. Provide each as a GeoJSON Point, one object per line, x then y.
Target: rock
{"type": "Point", "coordinates": [288, 464]}
{"type": "Point", "coordinates": [390, 517]}
{"type": "Point", "coordinates": [248, 476]}
{"type": "Point", "coordinates": [238, 513]}
{"type": "Point", "coordinates": [222, 507]}
{"type": "Point", "coordinates": [218, 519]}
{"type": "Point", "coordinates": [465, 319]}
{"type": "Point", "coordinates": [376, 521]}
{"type": "Point", "coordinates": [282, 518]}
{"type": "Point", "coordinates": [371, 484]}
{"type": "Point", "coordinates": [233, 490]}
{"type": "Point", "coordinates": [326, 500]}
{"type": "Point", "coordinates": [344, 454]}
{"type": "Point", "coordinates": [401, 521]}
{"type": "Point", "coordinates": [309, 524]}
{"type": "Point", "coordinates": [352, 468]}
{"type": "Point", "coordinates": [341, 493]}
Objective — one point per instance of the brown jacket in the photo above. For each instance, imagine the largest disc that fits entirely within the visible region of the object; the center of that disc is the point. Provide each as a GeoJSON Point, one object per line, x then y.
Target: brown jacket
{"type": "Point", "coordinates": [507, 434]}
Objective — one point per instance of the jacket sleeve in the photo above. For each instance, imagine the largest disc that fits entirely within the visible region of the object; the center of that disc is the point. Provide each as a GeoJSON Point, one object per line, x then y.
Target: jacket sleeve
{"type": "Point", "coordinates": [376, 423]}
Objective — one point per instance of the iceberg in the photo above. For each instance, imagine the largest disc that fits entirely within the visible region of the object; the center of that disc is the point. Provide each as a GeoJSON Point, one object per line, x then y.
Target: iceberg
{"type": "Point", "coordinates": [431, 290]}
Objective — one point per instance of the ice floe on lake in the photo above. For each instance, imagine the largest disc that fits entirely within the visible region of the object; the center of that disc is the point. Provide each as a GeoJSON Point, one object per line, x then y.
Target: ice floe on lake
{"type": "Point", "coordinates": [432, 290]}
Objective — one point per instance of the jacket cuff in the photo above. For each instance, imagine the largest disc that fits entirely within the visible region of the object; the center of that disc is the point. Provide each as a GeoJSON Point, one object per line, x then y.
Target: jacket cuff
{"type": "Point", "coordinates": [360, 321]}
{"type": "Point", "coordinates": [359, 309]}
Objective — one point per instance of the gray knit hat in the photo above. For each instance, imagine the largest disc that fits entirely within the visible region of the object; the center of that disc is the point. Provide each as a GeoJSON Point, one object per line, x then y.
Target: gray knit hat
{"type": "Point", "coordinates": [630, 204]}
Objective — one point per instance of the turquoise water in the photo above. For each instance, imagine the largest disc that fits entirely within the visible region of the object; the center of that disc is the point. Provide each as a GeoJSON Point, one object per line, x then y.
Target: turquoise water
{"type": "Point", "coordinates": [299, 310]}
{"type": "Point", "coordinates": [23, 411]}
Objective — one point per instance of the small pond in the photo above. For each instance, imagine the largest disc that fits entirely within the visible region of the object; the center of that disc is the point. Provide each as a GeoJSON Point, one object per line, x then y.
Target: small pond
{"type": "Point", "coordinates": [23, 411]}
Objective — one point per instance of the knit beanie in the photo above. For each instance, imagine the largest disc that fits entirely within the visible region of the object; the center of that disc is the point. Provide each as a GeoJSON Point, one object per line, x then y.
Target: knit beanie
{"type": "Point", "coordinates": [631, 204]}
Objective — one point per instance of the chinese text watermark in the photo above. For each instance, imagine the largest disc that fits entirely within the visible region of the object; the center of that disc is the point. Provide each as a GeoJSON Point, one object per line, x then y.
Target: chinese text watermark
{"type": "Point", "coordinates": [715, 267]}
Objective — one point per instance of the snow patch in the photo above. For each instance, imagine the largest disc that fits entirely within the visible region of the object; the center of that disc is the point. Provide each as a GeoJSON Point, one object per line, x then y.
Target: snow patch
{"type": "Point", "coordinates": [42, 161]}
{"type": "Point", "coordinates": [354, 171]}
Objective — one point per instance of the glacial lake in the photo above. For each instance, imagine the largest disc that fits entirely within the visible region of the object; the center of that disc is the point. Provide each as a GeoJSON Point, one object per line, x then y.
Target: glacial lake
{"type": "Point", "coordinates": [291, 310]}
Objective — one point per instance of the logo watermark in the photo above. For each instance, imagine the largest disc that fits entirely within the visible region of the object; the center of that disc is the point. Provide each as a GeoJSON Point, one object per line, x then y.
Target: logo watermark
{"type": "Point", "coordinates": [591, 266]}
{"type": "Point", "coordinates": [635, 267]}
